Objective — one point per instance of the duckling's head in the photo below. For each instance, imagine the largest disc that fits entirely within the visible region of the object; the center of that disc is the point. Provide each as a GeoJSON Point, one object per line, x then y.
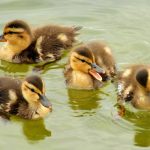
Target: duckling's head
{"type": "Point", "coordinates": [142, 93]}
{"type": "Point", "coordinates": [143, 78]}
{"type": "Point", "coordinates": [82, 59]}
{"type": "Point", "coordinates": [33, 91]}
{"type": "Point", "coordinates": [17, 33]}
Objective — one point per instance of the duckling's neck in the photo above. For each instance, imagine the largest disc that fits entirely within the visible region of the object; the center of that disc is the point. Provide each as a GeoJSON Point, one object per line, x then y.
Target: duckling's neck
{"type": "Point", "coordinates": [38, 110]}
{"type": "Point", "coordinates": [81, 80]}
{"type": "Point", "coordinates": [8, 51]}
{"type": "Point", "coordinates": [142, 99]}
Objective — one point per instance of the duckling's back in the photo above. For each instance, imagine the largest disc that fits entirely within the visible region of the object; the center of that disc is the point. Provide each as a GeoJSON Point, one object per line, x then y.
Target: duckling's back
{"type": "Point", "coordinates": [127, 84]}
{"type": "Point", "coordinates": [47, 44]}
{"type": "Point", "coordinates": [103, 56]}
{"type": "Point", "coordinates": [52, 39]}
{"type": "Point", "coordinates": [9, 93]}
{"type": "Point", "coordinates": [66, 35]}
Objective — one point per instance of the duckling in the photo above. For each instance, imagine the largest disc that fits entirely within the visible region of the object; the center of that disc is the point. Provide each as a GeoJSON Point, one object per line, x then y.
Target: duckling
{"type": "Point", "coordinates": [24, 98]}
{"type": "Point", "coordinates": [89, 66]}
{"type": "Point", "coordinates": [46, 43]}
{"type": "Point", "coordinates": [134, 86]}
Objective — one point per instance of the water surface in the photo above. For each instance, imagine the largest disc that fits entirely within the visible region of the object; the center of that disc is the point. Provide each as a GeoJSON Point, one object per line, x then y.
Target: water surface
{"type": "Point", "coordinates": [82, 119]}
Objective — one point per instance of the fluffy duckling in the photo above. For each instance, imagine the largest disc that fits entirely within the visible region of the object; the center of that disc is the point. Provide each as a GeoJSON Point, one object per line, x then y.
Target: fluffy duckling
{"type": "Point", "coordinates": [24, 45]}
{"type": "Point", "coordinates": [24, 98]}
{"type": "Point", "coordinates": [89, 65]}
{"type": "Point", "coordinates": [134, 86]}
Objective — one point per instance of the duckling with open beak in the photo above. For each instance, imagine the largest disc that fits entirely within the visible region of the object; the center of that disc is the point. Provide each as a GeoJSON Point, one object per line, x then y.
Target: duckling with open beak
{"type": "Point", "coordinates": [88, 67]}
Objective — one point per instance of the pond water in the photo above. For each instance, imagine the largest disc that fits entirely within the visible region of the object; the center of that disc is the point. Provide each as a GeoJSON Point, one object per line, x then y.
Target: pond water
{"type": "Point", "coordinates": [82, 119]}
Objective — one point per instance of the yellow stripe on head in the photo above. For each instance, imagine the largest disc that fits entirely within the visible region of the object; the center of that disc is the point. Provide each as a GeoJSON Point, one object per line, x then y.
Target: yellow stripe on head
{"type": "Point", "coordinates": [19, 30]}
{"type": "Point", "coordinates": [32, 87]}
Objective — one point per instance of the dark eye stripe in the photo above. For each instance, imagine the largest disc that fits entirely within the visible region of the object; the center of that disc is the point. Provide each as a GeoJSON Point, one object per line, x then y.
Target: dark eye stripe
{"type": "Point", "coordinates": [11, 32]}
{"type": "Point", "coordinates": [31, 89]}
{"type": "Point", "coordinates": [83, 61]}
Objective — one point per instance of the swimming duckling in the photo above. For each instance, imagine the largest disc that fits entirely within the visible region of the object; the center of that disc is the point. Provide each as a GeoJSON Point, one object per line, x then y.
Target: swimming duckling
{"type": "Point", "coordinates": [24, 98]}
{"type": "Point", "coordinates": [24, 45]}
{"type": "Point", "coordinates": [134, 86]}
{"type": "Point", "coordinates": [89, 65]}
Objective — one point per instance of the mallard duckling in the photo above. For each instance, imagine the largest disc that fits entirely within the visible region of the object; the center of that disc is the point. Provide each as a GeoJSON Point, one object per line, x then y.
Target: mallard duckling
{"type": "Point", "coordinates": [24, 98]}
{"type": "Point", "coordinates": [24, 45]}
{"type": "Point", "coordinates": [134, 86]}
{"type": "Point", "coordinates": [89, 65]}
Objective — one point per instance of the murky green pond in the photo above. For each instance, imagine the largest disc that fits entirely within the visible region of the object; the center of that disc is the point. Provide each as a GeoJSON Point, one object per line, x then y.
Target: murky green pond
{"type": "Point", "coordinates": [82, 119]}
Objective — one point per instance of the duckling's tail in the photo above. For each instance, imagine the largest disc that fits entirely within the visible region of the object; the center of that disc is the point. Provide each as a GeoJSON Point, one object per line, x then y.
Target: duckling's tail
{"type": "Point", "coordinates": [76, 29]}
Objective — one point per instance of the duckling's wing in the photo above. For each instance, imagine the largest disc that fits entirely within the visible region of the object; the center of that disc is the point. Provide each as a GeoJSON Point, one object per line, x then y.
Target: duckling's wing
{"type": "Point", "coordinates": [50, 47]}
{"type": "Point", "coordinates": [103, 57]}
{"type": "Point", "coordinates": [29, 55]}
{"type": "Point", "coordinates": [6, 103]}
{"type": "Point", "coordinates": [4, 98]}
{"type": "Point", "coordinates": [9, 89]}
{"type": "Point", "coordinates": [50, 40]}
{"type": "Point", "coordinates": [64, 34]}
{"type": "Point", "coordinates": [68, 73]}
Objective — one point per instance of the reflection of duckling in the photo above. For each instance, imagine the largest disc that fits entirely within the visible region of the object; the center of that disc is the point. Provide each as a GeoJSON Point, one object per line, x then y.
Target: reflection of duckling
{"type": "Point", "coordinates": [134, 86]}
{"type": "Point", "coordinates": [140, 122]}
{"type": "Point", "coordinates": [38, 132]}
{"type": "Point", "coordinates": [24, 98]}
{"type": "Point", "coordinates": [83, 102]}
{"type": "Point", "coordinates": [26, 46]}
{"type": "Point", "coordinates": [89, 65]}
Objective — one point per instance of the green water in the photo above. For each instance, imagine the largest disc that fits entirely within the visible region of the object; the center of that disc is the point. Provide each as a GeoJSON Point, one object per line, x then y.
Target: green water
{"type": "Point", "coordinates": [82, 119]}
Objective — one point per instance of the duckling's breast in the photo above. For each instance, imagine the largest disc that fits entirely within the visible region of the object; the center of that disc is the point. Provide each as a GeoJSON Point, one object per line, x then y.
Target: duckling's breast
{"type": "Point", "coordinates": [81, 80]}
{"type": "Point", "coordinates": [29, 55]}
{"type": "Point", "coordinates": [41, 112]}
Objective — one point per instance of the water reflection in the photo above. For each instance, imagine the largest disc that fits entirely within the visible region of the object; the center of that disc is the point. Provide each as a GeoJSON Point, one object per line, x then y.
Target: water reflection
{"type": "Point", "coordinates": [83, 102]}
{"type": "Point", "coordinates": [34, 130]}
{"type": "Point", "coordinates": [141, 121]}
{"type": "Point", "coordinates": [142, 138]}
{"type": "Point", "coordinates": [46, 67]}
{"type": "Point", "coordinates": [13, 68]}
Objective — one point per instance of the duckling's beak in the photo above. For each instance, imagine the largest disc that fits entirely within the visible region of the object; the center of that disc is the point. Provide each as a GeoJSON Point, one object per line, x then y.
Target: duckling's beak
{"type": "Point", "coordinates": [2, 39]}
{"type": "Point", "coordinates": [97, 68]}
{"type": "Point", "coordinates": [95, 71]}
{"type": "Point", "coordinates": [44, 101]}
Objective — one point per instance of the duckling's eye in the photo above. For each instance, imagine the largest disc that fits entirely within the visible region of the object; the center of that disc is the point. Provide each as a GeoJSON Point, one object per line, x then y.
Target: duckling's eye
{"type": "Point", "coordinates": [7, 33]}
{"type": "Point", "coordinates": [20, 36]}
{"type": "Point", "coordinates": [10, 32]}
{"type": "Point", "coordinates": [82, 60]}
{"type": "Point", "coordinates": [32, 90]}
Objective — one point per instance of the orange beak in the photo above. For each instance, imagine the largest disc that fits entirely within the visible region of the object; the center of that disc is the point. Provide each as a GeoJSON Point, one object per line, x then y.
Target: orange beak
{"type": "Point", "coordinates": [95, 72]}
{"type": "Point", "coordinates": [2, 39]}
